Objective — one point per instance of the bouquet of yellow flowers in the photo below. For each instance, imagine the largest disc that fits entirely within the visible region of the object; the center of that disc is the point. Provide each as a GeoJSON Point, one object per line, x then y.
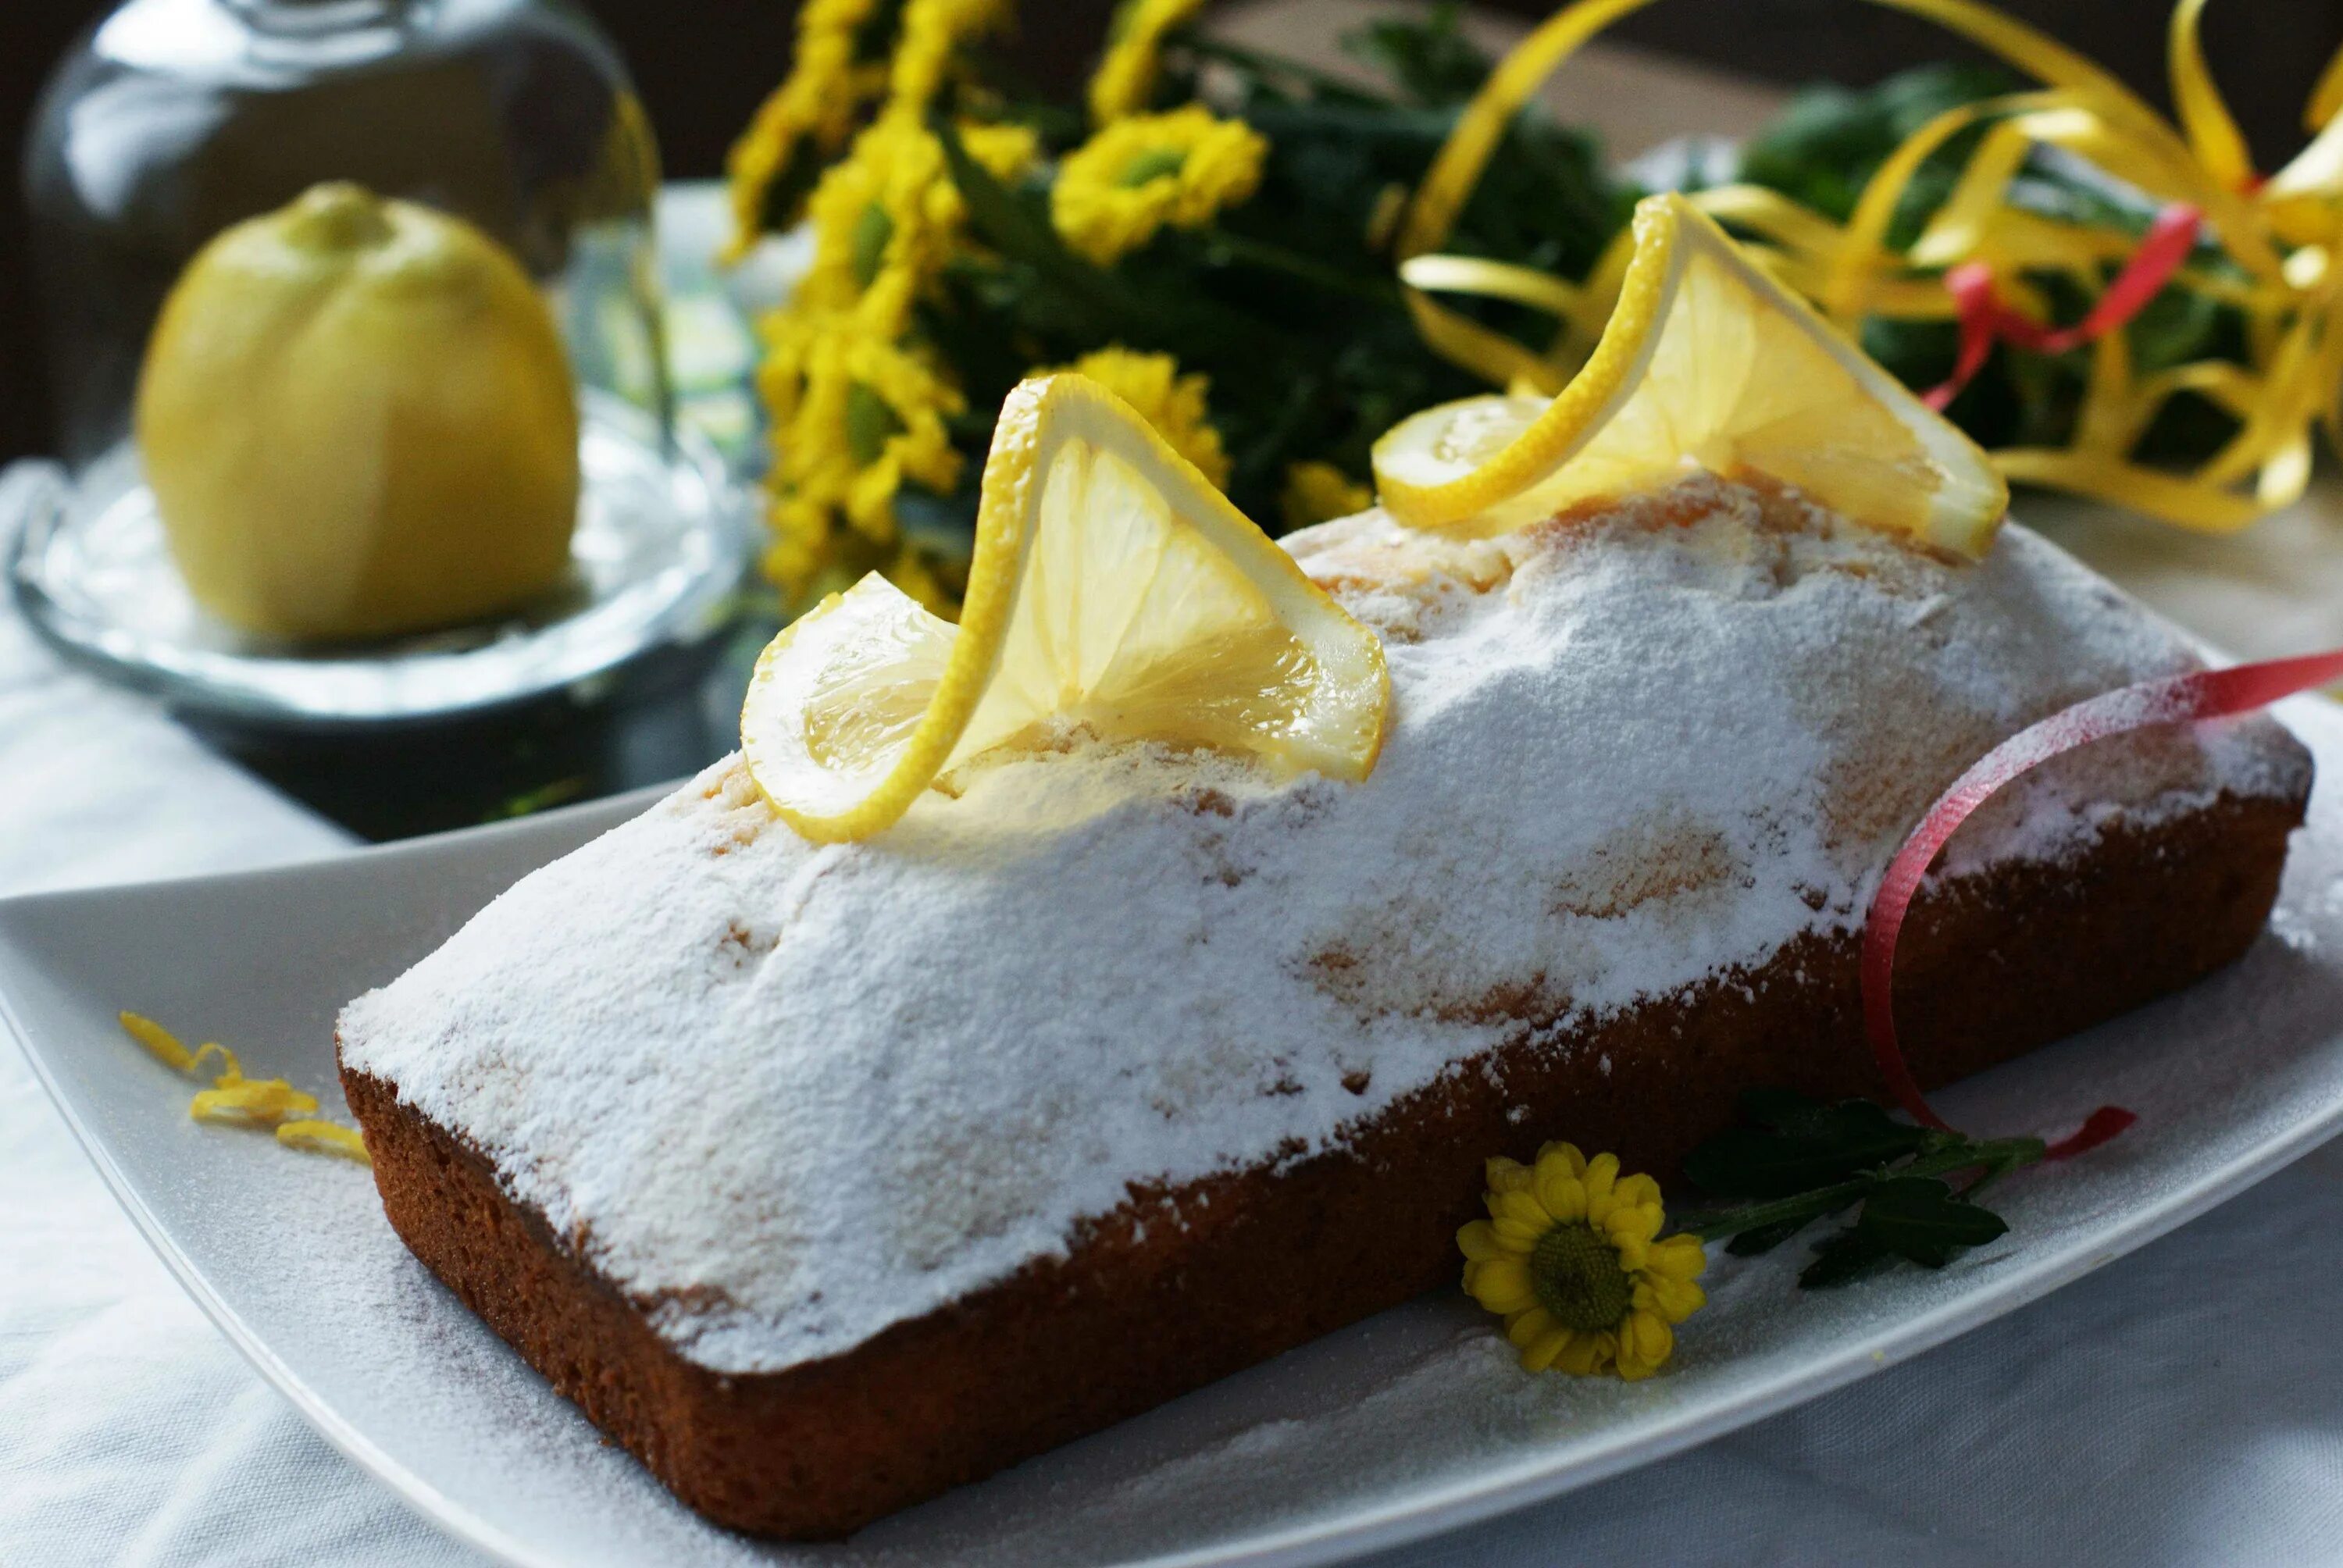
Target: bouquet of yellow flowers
{"type": "Point", "coordinates": [1225, 270]}
{"type": "Point", "coordinates": [1275, 264]}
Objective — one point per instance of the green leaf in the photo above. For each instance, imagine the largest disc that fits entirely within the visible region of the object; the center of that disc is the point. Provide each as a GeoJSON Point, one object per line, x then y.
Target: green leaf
{"type": "Point", "coordinates": [1825, 145]}
{"type": "Point", "coordinates": [1764, 1238]}
{"type": "Point", "coordinates": [1797, 1145]}
{"type": "Point", "coordinates": [1843, 1260]}
{"type": "Point", "coordinates": [1429, 59]}
{"type": "Point", "coordinates": [1093, 306]}
{"type": "Point", "coordinates": [1022, 233]}
{"type": "Point", "coordinates": [1776, 1107]}
{"type": "Point", "coordinates": [1921, 1219]}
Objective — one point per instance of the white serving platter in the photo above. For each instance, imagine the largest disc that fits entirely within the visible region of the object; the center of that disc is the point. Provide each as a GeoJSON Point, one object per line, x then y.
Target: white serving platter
{"type": "Point", "coordinates": [1412, 1422]}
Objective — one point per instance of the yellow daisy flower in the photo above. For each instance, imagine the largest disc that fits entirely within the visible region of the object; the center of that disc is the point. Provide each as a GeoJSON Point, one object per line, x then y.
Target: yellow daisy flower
{"type": "Point", "coordinates": [876, 236]}
{"type": "Point", "coordinates": [933, 31]}
{"type": "Point", "coordinates": [864, 415]}
{"type": "Point", "coordinates": [1569, 1257]}
{"type": "Point", "coordinates": [1118, 190]}
{"type": "Point", "coordinates": [1317, 492]}
{"type": "Point", "coordinates": [1004, 152]}
{"type": "Point", "coordinates": [1175, 404]}
{"type": "Point", "coordinates": [888, 217]}
{"type": "Point", "coordinates": [1126, 81]}
{"type": "Point", "coordinates": [813, 110]}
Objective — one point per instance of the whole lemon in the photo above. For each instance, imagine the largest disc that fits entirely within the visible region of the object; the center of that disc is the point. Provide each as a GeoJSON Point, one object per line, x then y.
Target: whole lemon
{"type": "Point", "coordinates": [357, 420]}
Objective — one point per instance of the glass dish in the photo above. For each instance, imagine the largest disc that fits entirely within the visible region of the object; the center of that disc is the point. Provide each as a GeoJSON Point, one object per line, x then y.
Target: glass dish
{"type": "Point", "coordinates": [655, 564]}
{"type": "Point", "coordinates": [173, 119]}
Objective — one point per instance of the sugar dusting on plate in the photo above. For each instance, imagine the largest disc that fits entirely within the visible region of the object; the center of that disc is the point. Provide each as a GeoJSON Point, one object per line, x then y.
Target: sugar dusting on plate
{"type": "Point", "coordinates": [788, 1095]}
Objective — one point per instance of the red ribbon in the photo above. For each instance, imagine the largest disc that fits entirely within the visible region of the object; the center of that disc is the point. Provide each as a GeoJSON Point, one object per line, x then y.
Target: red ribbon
{"type": "Point", "coordinates": [1985, 320]}
{"type": "Point", "coordinates": [2205, 694]}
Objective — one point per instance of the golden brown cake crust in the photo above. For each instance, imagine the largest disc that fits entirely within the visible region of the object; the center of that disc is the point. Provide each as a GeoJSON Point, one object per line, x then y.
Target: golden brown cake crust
{"type": "Point", "coordinates": [1180, 1288]}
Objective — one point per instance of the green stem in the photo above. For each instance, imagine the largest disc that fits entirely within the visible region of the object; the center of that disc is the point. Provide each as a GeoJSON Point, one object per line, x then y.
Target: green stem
{"type": "Point", "coordinates": [2000, 1156]}
{"type": "Point", "coordinates": [1273, 257]}
{"type": "Point", "coordinates": [2001, 1168]}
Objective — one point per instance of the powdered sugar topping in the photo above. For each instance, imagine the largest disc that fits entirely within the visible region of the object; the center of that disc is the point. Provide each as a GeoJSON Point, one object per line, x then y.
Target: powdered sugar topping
{"type": "Point", "coordinates": [788, 1095]}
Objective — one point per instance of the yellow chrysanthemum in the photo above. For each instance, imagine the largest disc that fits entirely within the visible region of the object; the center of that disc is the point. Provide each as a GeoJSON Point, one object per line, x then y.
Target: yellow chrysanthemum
{"type": "Point", "coordinates": [1315, 492]}
{"type": "Point", "coordinates": [888, 217]}
{"type": "Point", "coordinates": [1126, 81]}
{"type": "Point", "coordinates": [811, 113]}
{"type": "Point", "coordinates": [933, 31]}
{"type": "Point", "coordinates": [857, 416]}
{"type": "Point", "coordinates": [1118, 190]}
{"type": "Point", "coordinates": [1570, 1256]}
{"type": "Point", "coordinates": [1175, 404]}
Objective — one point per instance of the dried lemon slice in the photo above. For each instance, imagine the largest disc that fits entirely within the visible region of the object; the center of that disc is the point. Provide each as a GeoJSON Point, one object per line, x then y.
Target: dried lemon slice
{"type": "Point", "coordinates": [1113, 588]}
{"type": "Point", "coordinates": [1706, 362]}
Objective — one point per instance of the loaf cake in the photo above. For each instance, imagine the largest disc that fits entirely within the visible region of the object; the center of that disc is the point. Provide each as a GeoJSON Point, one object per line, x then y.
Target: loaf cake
{"type": "Point", "coordinates": [825, 1178]}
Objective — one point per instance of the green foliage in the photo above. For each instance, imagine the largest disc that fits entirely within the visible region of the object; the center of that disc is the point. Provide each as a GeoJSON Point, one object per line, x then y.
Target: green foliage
{"type": "Point", "coordinates": [1430, 61]}
{"type": "Point", "coordinates": [1829, 142]}
{"type": "Point", "coordinates": [1793, 1160]}
{"type": "Point", "coordinates": [1789, 1144]}
{"type": "Point", "coordinates": [1285, 302]}
{"type": "Point", "coordinates": [1289, 304]}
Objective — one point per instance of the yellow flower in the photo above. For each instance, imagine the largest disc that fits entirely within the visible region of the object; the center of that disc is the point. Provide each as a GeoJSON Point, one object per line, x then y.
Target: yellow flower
{"type": "Point", "coordinates": [1117, 190]}
{"type": "Point", "coordinates": [933, 31]}
{"type": "Point", "coordinates": [1316, 492]}
{"type": "Point", "coordinates": [1175, 404]}
{"type": "Point", "coordinates": [1569, 1256]}
{"type": "Point", "coordinates": [1125, 82]}
{"type": "Point", "coordinates": [876, 225]}
{"type": "Point", "coordinates": [887, 217]}
{"type": "Point", "coordinates": [812, 111]}
{"type": "Point", "coordinates": [857, 416]}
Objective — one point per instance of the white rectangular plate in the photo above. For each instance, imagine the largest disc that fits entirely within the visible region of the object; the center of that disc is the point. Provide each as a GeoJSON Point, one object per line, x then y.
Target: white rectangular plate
{"type": "Point", "coordinates": [1412, 1422]}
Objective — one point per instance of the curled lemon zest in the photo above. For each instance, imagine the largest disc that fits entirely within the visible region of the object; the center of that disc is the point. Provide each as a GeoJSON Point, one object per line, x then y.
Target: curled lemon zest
{"type": "Point", "coordinates": [2213, 135]}
{"type": "Point", "coordinates": [2277, 237]}
{"type": "Point", "coordinates": [235, 1101]}
{"type": "Point", "coordinates": [2326, 96]}
{"type": "Point", "coordinates": [231, 1069]}
{"type": "Point", "coordinates": [260, 1100]}
{"type": "Point", "coordinates": [160, 1043]}
{"type": "Point", "coordinates": [324, 1138]}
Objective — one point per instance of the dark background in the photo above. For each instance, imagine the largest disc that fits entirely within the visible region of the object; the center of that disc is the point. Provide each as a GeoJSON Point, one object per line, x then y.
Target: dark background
{"type": "Point", "coordinates": [702, 76]}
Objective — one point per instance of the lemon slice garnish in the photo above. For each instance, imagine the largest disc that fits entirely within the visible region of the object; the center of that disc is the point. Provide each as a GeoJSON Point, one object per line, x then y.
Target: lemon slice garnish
{"type": "Point", "coordinates": [1706, 362]}
{"type": "Point", "coordinates": [1113, 588]}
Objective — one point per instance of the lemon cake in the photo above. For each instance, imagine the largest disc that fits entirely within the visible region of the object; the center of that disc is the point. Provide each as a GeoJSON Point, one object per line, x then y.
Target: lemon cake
{"type": "Point", "coordinates": [826, 1176]}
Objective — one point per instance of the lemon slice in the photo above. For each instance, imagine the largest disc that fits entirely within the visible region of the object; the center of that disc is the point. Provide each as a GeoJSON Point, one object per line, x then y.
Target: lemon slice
{"type": "Point", "coordinates": [1706, 362]}
{"type": "Point", "coordinates": [1113, 588]}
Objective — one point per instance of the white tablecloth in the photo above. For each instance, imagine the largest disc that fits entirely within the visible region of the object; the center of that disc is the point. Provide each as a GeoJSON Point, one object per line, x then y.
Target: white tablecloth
{"type": "Point", "coordinates": [2183, 1405]}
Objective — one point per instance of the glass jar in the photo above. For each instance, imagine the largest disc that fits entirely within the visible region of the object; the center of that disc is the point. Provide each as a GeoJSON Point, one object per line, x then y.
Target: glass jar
{"type": "Point", "coordinates": [173, 119]}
